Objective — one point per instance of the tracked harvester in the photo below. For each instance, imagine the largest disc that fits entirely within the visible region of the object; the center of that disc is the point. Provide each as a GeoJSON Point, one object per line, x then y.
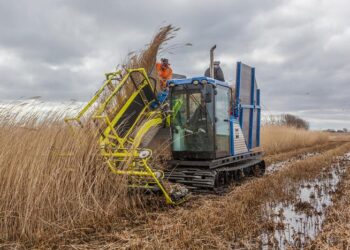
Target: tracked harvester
{"type": "Point", "coordinates": [214, 129]}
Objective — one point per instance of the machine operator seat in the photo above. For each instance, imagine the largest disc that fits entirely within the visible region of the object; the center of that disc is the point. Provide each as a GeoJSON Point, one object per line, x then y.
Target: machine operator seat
{"type": "Point", "coordinates": [201, 137]}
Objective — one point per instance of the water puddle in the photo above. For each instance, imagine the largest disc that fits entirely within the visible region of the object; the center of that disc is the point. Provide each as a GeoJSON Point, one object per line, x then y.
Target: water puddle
{"type": "Point", "coordinates": [295, 223]}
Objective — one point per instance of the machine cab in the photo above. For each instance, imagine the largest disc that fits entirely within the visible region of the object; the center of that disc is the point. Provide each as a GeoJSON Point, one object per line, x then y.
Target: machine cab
{"type": "Point", "coordinates": [200, 124]}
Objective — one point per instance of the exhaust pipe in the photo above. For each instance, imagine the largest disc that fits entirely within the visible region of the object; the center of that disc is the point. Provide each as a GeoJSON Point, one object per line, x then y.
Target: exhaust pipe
{"type": "Point", "coordinates": [212, 61]}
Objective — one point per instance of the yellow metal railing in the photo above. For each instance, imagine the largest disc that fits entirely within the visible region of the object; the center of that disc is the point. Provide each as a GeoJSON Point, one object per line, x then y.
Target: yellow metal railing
{"type": "Point", "coordinates": [82, 112]}
{"type": "Point", "coordinates": [121, 152]}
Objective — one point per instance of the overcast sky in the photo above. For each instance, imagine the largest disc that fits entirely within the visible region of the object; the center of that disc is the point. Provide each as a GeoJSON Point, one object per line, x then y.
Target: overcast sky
{"type": "Point", "coordinates": [59, 50]}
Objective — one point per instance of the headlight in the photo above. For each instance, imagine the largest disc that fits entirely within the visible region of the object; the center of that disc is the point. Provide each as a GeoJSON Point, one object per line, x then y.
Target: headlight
{"type": "Point", "coordinates": [195, 82]}
{"type": "Point", "coordinates": [204, 82]}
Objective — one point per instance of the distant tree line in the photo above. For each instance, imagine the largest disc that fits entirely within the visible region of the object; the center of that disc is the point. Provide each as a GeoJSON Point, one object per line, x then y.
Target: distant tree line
{"type": "Point", "coordinates": [288, 120]}
{"type": "Point", "coordinates": [295, 121]}
{"type": "Point", "coordinates": [344, 130]}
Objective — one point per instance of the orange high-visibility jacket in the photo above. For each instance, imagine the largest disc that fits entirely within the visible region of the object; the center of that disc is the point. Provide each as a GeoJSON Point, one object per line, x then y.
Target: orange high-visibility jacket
{"type": "Point", "coordinates": [164, 74]}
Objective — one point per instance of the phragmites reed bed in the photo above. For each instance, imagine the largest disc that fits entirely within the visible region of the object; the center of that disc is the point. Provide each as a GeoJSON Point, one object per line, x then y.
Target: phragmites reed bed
{"type": "Point", "coordinates": [53, 184]}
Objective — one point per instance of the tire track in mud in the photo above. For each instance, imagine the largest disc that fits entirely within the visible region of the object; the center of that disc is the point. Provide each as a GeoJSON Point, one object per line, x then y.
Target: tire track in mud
{"type": "Point", "coordinates": [284, 156]}
{"type": "Point", "coordinates": [279, 161]}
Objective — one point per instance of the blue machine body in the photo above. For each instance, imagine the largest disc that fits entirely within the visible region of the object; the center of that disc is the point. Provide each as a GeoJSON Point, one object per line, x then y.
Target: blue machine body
{"type": "Point", "coordinates": [245, 109]}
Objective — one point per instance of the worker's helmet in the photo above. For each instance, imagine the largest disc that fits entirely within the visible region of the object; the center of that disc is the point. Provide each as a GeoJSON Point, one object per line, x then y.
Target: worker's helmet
{"type": "Point", "coordinates": [165, 61]}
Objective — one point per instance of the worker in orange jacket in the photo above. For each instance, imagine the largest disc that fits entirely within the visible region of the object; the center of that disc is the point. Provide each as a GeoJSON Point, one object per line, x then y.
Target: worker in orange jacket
{"type": "Point", "coordinates": [164, 72]}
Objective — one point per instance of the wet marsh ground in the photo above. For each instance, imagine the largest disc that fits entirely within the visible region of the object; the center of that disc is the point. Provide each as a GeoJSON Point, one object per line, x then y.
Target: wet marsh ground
{"type": "Point", "coordinates": [298, 221]}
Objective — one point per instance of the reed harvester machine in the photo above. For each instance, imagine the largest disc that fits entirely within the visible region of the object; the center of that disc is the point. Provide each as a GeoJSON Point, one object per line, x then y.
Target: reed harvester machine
{"type": "Point", "coordinates": [213, 129]}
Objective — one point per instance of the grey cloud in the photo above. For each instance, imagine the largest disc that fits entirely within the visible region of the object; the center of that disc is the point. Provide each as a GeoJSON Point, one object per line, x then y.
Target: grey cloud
{"type": "Point", "coordinates": [62, 48]}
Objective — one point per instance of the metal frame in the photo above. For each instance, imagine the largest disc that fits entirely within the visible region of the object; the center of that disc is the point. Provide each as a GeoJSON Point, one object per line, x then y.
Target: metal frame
{"type": "Point", "coordinates": [251, 111]}
{"type": "Point", "coordinates": [203, 176]}
{"type": "Point", "coordinates": [213, 164]}
{"type": "Point", "coordinates": [122, 153]}
{"type": "Point", "coordinates": [254, 105]}
{"type": "Point", "coordinates": [232, 136]}
{"type": "Point", "coordinates": [82, 112]}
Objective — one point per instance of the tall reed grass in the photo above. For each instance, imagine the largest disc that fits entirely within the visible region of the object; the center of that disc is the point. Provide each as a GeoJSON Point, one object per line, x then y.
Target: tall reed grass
{"type": "Point", "coordinates": [278, 139]}
{"type": "Point", "coordinates": [52, 182]}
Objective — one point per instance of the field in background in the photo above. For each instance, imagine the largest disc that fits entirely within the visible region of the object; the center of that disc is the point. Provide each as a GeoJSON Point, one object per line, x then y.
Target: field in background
{"type": "Point", "coordinates": [279, 139]}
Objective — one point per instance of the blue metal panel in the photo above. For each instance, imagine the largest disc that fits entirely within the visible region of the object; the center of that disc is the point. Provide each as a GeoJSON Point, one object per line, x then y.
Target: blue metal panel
{"type": "Point", "coordinates": [232, 136]}
{"type": "Point", "coordinates": [238, 83]}
{"type": "Point", "coordinates": [241, 117]}
{"type": "Point", "coordinates": [250, 106]}
{"type": "Point", "coordinates": [197, 78]}
{"type": "Point", "coordinates": [259, 119]}
{"type": "Point", "coordinates": [238, 112]}
{"type": "Point", "coordinates": [251, 113]}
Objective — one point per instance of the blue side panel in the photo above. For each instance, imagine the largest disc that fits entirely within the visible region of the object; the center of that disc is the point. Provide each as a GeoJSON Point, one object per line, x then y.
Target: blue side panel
{"type": "Point", "coordinates": [239, 111]}
{"type": "Point", "coordinates": [238, 88]}
{"type": "Point", "coordinates": [238, 81]}
{"type": "Point", "coordinates": [241, 117]}
{"type": "Point", "coordinates": [232, 136]}
{"type": "Point", "coordinates": [251, 110]}
{"type": "Point", "coordinates": [247, 108]}
{"type": "Point", "coordinates": [259, 119]}
{"type": "Point", "coordinates": [196, 80]}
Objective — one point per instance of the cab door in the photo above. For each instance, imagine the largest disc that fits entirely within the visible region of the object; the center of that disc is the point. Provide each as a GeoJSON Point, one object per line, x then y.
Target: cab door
{"type": "Point", "coordinates": [222, 121]}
